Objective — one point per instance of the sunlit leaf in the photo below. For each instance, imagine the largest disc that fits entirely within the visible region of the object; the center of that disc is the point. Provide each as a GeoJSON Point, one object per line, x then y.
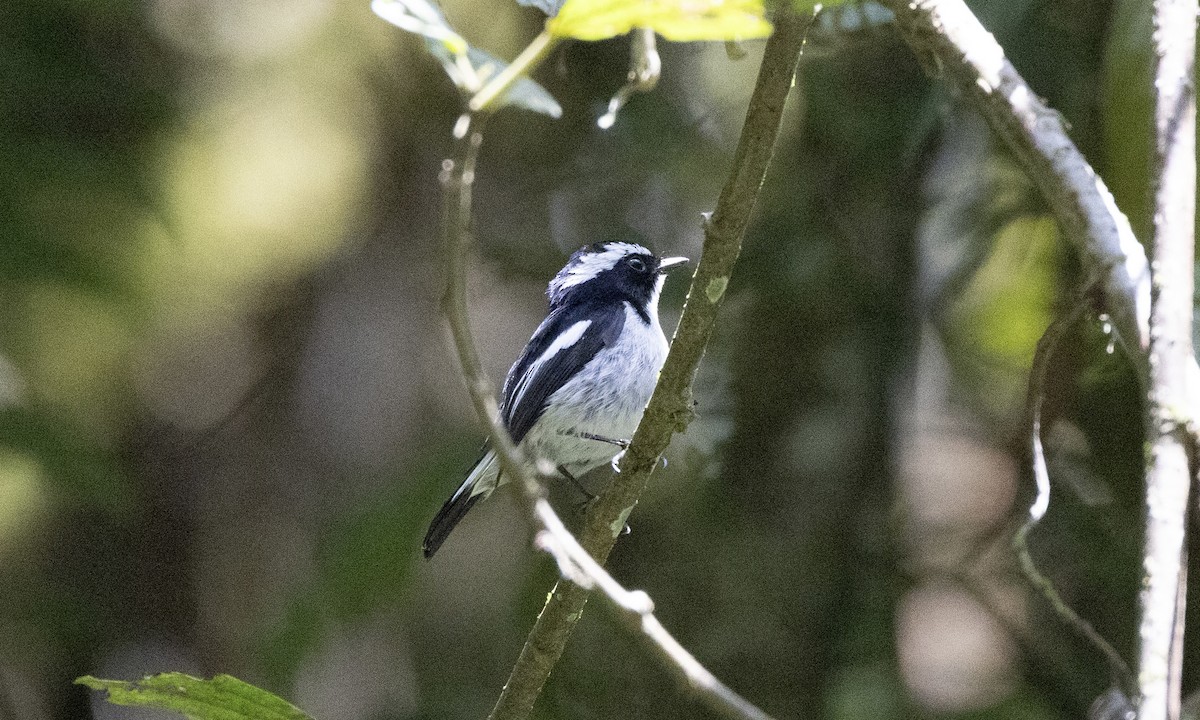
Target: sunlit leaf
{"type": "Point", "coordinates": [222, 698]}
{"type": "Point", "coordinates": [423, 18]}
{"type": "Point", "coordinates": [678, 20]}
{"type": "Point", "coordinates": [468, 67]}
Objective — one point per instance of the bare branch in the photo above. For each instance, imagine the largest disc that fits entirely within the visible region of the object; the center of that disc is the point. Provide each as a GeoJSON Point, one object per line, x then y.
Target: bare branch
{"type": "Point", "coordinates": [1119, 669]}
{"type": "Point", "coordinates": [1168, 476]}
{"type": "Point", "coordinates": [645, 68]}
{"type": "Point", "coordinates": [669, 410]}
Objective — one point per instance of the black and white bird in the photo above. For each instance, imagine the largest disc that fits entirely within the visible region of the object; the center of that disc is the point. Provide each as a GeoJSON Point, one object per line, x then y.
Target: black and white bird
{"type": "Point", "coordinates": [585, 376]}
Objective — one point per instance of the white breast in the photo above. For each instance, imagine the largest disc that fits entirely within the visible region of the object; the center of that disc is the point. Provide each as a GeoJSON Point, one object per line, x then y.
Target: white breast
{"type": "Point", "coordinates": [606, 398]}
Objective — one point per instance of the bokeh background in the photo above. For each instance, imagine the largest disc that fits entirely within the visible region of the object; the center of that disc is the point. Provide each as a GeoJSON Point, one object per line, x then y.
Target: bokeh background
{"type": "Point", "coordinates": [228, 406]}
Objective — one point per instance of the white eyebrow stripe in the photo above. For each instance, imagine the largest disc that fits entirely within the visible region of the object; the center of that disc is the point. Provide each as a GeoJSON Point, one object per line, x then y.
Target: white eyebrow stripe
{"type": "Point", "coordinates": [592, 264]}
{"type": "Point", "coordinates": [569, 337]}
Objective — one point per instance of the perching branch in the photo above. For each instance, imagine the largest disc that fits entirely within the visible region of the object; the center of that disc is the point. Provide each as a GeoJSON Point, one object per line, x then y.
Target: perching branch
{"type": "Point", "coordinates": [635, 609]}
{"type": "Point", "coordinates": [579, 566]}
{"type": "Point", "coordinates": [1168, 476]}
{"type": "Point", "coordinates": [1119, 669]}
{"type": "Point", "coordinates": [670, 409]}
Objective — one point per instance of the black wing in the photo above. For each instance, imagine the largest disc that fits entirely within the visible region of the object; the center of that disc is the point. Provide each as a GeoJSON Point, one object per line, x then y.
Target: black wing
{"type": "Point", "coordinates": [534, 378]}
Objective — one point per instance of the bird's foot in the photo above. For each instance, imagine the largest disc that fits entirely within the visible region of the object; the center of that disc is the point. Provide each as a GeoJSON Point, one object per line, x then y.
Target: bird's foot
{"type": "Point", "coordinates": [623, 444]}
{"type": "Point", "coordinates": [587, 494]}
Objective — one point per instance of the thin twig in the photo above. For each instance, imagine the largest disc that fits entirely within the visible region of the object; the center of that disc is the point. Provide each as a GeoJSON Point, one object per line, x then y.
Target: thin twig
{"type": "Point", "coordinates": [645, 68]}
{"type": "Point", "coordinates": [635, 609]}
{"type": "Point", "coordinates": [1121, 674]}
{"type": "Point", "coordinates": [1038, 647]}
{"type": "Point", "coordinates": [1168, 476]}
{"type": "Point", "coordinates": [670, 409]}
{"type": "Point", "coordinates": [522, 65]}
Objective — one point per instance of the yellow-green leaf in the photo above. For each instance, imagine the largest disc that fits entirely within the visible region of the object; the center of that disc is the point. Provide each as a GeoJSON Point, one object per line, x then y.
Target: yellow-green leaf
{"type": "Point", "coordinates": [678, 20]}
{"type": "Point", "coordinates": [222, 698]}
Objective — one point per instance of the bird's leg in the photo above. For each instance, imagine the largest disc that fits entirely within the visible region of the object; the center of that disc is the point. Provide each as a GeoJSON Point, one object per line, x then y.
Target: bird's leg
{"type": "Point", "coordinates": [589, 497]}
{"type": "Point", "coordinates": [623, 444]}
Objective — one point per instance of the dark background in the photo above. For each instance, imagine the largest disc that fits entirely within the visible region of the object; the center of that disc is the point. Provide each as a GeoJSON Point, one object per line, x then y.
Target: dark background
{"type": "Point", "coordinates": [228, 407]}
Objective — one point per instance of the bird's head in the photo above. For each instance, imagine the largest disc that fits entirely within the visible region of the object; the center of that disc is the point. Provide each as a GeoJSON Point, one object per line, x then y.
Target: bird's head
{"type": "Point", "coordinates": [612, 271]}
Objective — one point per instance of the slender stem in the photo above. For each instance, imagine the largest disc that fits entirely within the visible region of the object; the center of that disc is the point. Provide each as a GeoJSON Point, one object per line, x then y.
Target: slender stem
{"type": "Point", "coordinates": [530, 58]}
{"type": "Point", "coordinates": [645, 68]}
{"type": "Point", "coordinates": [669, 410]}
{"type": "Point", "coordinates": [457, 178]}
{"type": "Point", "coordinates": [1168, 476]}
{"type": "Point", "coordinates": [1046, 346]}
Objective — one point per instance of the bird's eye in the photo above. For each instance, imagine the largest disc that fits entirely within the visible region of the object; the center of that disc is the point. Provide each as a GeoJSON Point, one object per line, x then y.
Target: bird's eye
{"type": "Point", "coordinates": [637, 264]}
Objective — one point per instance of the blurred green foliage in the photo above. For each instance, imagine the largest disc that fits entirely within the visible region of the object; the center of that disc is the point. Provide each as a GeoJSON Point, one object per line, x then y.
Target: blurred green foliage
{"type": "Point", "coordinates": [227, 409]}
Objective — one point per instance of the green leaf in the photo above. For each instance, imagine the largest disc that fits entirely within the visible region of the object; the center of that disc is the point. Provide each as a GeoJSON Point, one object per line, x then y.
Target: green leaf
{"type": "Point", "coordinates": [468, 67]}
{"type": "Point", "coordinates": [222, 698]}
{"type": "Point", "coordinates": [678, 20]}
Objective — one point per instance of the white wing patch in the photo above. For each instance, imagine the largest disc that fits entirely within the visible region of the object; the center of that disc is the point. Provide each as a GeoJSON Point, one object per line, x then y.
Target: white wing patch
{"type": "Point", "coordinates": [569, 337]}
{"type": "Point", "coordinates": [592, 264]}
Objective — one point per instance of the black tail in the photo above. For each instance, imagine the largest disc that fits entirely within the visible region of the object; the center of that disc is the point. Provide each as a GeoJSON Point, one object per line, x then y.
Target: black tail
{"type": "Point", "coordinates": [449, 516]}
